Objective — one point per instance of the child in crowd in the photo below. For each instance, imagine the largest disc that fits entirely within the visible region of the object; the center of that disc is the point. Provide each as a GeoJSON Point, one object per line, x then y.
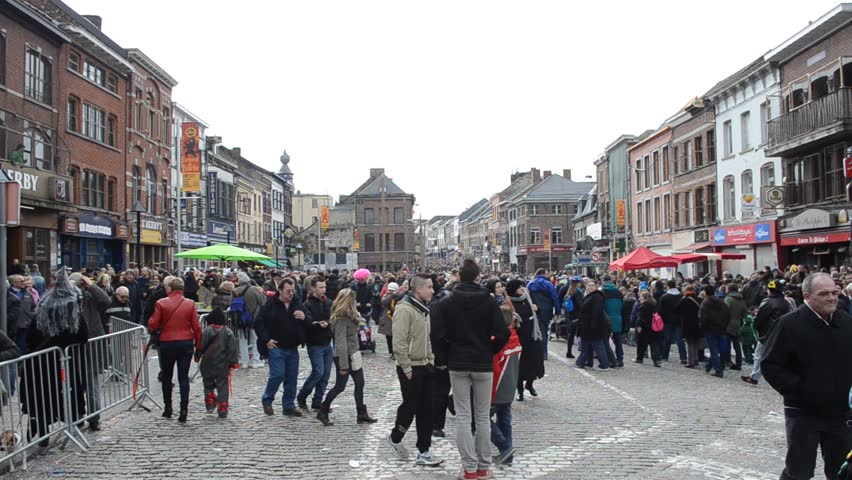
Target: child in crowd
{"type": "Point", "coordinates": [219, 353]}
{"type": "Point", "coordinates": [506, 370]}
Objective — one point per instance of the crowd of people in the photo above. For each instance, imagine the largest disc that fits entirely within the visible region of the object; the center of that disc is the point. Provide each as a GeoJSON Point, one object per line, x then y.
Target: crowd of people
{"type": "Point", "coordinates": [462, 342]}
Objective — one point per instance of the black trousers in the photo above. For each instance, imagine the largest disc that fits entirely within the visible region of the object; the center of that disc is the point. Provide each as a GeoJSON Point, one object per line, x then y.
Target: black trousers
{"type": "Point", "coordinates": [340, 382]}
{"type": "Point", "coordinates": [648, 340]}
{"type": "Point", "coordinates": [804, 434]}
{"type": "Point", "coordinates": [176, 353]}
{"type": "Point", "coordinates": [416, 402]}
{"type": "Point", "coordinates": [440, 398]}
{"type": "Point", "coordinates": [390, 343]}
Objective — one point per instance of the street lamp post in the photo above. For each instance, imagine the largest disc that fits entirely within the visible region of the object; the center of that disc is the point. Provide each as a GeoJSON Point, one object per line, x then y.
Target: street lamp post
{"type": "Point", "coordinates": [138, 209]}
{"type": "Point", "coordinates": [228, 230]}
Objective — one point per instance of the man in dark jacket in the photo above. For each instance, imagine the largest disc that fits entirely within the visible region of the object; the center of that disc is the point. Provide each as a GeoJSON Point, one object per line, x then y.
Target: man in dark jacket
{"type": "Point", "coordinates": [673, 331]}
{"type": "Point", "coordinates": [713, 318]}
{"type": "Point", "coordinates": [593, 328]}
{"type": "Point", "coordinates": [807, 361]}
{"type": "Point", "coordinates": [544, 295]}
{"type": "Point", "coordinates": [281, 327]}
{"type": "Point", "coordinates": [134, 296]}
{"type": "Point", "coordinates": [190, 285]}
{"type": "Point", "coordinates": [463, 328]}
{"type": "Point", "coordinates": [119, 307]}
{"type": "Point", "coordinates": [332, 285]}
{"type": "Point", "coordinates": [320, 353]}
{"type": "Point", "coordinates": [26, 311]}
{"type": "Point", "coordinates": [771, 309]}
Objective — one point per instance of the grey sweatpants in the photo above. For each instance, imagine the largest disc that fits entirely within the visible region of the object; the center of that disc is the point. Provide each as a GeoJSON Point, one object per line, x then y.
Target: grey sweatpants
{"type": "Point", "coordinates": [216, 393]}
{"type": "Point", "coordinates": [475, 453]}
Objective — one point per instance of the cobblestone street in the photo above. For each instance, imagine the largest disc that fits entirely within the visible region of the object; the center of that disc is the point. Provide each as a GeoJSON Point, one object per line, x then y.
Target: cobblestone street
{"type": "Point", "coordinates": [636, 423]}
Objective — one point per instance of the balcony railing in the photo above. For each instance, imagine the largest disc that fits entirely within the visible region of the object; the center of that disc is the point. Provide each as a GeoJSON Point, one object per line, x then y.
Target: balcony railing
{"type": "Point", "coordinates": [828, 111]}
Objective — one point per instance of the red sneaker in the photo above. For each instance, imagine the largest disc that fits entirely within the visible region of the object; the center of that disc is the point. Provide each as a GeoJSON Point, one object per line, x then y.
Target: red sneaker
{"type": "Point", "coordinates": [487, 474]}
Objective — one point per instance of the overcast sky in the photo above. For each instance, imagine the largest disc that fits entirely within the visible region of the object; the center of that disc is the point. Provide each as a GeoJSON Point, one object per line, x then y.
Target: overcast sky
{"type": "Point", "coordinates": [450, 97]}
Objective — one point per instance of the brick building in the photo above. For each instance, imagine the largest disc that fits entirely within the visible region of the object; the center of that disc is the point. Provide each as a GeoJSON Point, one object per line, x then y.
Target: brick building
{"type": "Point", "coordinates": [93, 92]}
{"type": "Point", "coordinates": [651, 190]}
{"type": "Point", "coordinates": [383, 213]}
{"type": "Point", "coordinates": [148, 153]}
{"type": "Point", "coordinates": [29, 141]}
{"type": "Point", "coordinates": [545, 208]}
{"type": "Point", "coordinates": [694, 188]}
{"type": "Point", "coordinates": [813, 136]}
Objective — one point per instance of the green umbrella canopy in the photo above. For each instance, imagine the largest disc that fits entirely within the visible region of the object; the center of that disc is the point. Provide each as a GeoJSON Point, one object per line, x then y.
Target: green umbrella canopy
{"type": "Point", "coordinates": [223, 252]}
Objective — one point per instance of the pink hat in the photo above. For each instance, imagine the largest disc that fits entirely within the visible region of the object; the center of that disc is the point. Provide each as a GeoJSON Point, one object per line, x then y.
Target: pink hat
{"type": "Point", "coordinates": [361, 274]}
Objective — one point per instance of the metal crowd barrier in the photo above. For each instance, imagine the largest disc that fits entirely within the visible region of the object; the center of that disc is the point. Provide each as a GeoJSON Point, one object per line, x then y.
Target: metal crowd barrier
{"type": "Point", "coordinates": [51, 393]}
{"type": "Point", "coordinates": [32, 404]}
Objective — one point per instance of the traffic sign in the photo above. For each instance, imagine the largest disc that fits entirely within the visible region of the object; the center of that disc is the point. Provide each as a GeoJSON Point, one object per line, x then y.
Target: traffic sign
{"type": "Point", "coordinates": [596, 257]}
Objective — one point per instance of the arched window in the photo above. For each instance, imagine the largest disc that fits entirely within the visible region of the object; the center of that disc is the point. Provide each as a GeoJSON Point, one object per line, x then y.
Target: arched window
{"type": "Point", "coordinates": [152, 119]}
{"type": "Point", "coordinates": [137, 185]}
{"type": "Point", "coordinates": [35, 150]}
{"type": "Point", "coordinates": [152, 190]}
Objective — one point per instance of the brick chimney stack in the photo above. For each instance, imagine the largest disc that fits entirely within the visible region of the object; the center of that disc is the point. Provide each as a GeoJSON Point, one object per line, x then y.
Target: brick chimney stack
{"type": "Point", "coordinates": [376, 172]}
{"type": "Point", "coordinates": [546, 174]}
{"type": "Point", "coordinates": [567, 173]}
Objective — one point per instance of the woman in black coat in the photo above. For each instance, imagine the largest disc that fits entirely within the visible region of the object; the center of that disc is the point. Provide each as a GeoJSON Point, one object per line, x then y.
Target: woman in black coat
{"type": "Point", "coordinates": [532, 361]}
{"type": "Point", "coordinates": [647, 337]}
{"type": "Point", "coordinates": [687, 310]}
{"type": "Point", "coordinates": [594, 328]}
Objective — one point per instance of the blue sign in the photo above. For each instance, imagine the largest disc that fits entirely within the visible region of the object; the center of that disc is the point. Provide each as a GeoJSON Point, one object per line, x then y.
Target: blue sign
{"type": "Point", "coordinates": [719, 235]}
{"type": "Point", "coordinates": [95, 226]}
{"type": "Point", "coordinates": [762, 232]}
{"type": "Point", "coordinates": [218, 231]}
{"type": "Point", "coordinates": [212, 193]}
{"type": "Point", "coordinates": [193, 239]}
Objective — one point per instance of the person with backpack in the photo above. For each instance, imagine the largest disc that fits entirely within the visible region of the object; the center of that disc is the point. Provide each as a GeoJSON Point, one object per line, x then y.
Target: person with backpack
{"type": "Point", "coordinates": [649, 326]}
{"type": "Point", "coordinates": [218, 355]}
{"type": "Point", "coordinates": [713, 317]}
{"type": "Point", "coordinates": [245, 306]}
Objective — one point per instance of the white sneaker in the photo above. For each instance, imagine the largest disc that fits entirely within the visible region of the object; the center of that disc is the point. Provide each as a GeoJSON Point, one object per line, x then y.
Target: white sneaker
{"type": "Point", "coordinates": [426, 459]}
{"type": "Point", "coordinates": [398, 449]}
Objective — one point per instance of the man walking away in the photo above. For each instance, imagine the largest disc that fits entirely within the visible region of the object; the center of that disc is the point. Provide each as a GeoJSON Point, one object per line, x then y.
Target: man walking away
{"type": "Point", "coordinates": [737, 310]}
{"type": "Point", "coordinates": [807, 362]}
{"type": "Point", "coordinates": [771, 309]}
{"type": "Point", "coordinates": [673, 331]}
{"type": "Point", "coordinates": [613, 303]}
{"type": "Point", "coordinates": [412, 349]}
{"type": "Point", "coordinates": [470, 328]}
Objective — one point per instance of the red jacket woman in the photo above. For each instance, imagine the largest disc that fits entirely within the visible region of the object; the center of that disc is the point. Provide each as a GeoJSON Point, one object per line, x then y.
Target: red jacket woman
{"type": "Point", "coordinates": [176, 319]}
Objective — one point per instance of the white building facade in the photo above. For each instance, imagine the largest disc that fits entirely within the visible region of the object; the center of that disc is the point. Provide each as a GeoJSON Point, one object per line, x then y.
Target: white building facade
{"type": "Point", "coordinates": [744, 103]}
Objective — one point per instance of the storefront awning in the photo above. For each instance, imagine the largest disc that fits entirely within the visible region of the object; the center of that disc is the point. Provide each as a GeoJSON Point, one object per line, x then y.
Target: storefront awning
{"type": "Point", "coordinates": [692, 248]}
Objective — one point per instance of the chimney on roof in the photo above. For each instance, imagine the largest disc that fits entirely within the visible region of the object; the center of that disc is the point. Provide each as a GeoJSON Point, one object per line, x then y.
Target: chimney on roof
{"type": "Point", "coordinates": [567, 173]}
{"type": "Point", "coordinates": [536, 175]}
{"type": "Point", "coordinates": [547, 173]}
{"type": "Point", "coordinates": [376, 172]}
{"type": "Point", "coordinates": [237, 151]}
{"type": "Point", "coordinates": [95, 19]}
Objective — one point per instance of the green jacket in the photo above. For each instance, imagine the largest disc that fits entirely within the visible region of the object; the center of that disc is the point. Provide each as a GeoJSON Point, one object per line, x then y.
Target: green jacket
{"type": "Point", "coordinates": [738, 311]}
{"type": "Point", "coordinates": [412, 345]}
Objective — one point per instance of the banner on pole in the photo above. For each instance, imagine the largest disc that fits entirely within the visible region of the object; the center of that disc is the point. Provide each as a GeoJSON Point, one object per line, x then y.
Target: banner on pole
{"type": "Point", "coordinates": [324, 219]}
{"type": "Point", "coordinates": [190, 157]}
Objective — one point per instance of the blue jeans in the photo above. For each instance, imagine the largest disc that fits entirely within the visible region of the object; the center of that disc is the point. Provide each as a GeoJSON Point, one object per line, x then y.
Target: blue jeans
{"type": "Point", "coordinates": [544, 325]}
{"type": "Point", "coordinates": [283, 367]}
{"type": "Point", "coordinates": [322, 359]}
{"type": "Point", "coordinates": [714, 343]}
{"type": "Point", "coordinates": [501, 429]}
{"type": "Point", "coordinates": [673, 334]}
{"type": "Point", "coordinates": [586, 353]}
{"type": "Point", "coordinates": [619, 348]}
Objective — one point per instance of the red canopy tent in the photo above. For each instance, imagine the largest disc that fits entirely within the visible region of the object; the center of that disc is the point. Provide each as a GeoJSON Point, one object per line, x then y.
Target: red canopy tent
{"type": "Point", "coordinates": [643, 258]}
